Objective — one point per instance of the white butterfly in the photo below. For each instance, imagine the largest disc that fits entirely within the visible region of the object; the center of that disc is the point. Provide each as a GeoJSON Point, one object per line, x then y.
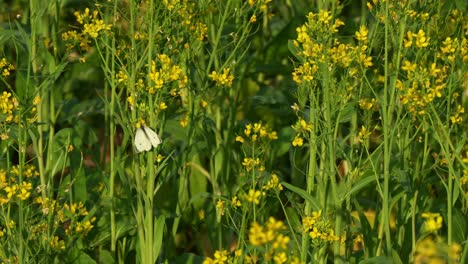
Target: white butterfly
{"type": "Point", "coordinates": [145, 139]}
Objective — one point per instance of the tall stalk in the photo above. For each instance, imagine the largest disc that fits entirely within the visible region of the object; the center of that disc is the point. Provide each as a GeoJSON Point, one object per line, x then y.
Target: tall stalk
{"type": "Point", "coordinates": [387, 122]}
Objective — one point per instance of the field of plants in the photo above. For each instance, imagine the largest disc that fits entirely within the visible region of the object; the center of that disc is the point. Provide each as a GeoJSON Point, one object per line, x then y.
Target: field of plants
{"type": "Point", "coordinates": [233, 131]}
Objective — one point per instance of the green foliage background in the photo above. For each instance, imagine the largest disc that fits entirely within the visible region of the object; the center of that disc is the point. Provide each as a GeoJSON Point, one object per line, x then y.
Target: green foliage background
{"type": "Point", "coordinates": [364, 137]}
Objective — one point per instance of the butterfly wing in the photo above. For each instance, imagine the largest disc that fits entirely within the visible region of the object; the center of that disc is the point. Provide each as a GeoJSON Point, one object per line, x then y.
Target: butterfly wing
{"type": "Point", "coordinates": [152, 136]}
{"type": "Point", "coordinates": [142, 142]}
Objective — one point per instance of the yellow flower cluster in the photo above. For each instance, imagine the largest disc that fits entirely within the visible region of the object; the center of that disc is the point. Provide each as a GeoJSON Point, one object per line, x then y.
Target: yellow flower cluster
{"type": "Point", "coordinates": [368, 104]}
{"type": "Point", "coordinates": [273, 184]}
{"type": "Point", "coordinates": [302, 128]}
{"type": "Point", "coordinates": [222, 79]}
{"type": "Point", "coordinates": [5, 67]}
{"type": "Point", "coordinates": [164, 76]}
{"type": "Point", "coordinates": [318, 29]}
{"type": "Point", "coordinates": [8, 104]}
{"type": "Point", "coordinates": [71, 217]}
{"type": "Point", "coordinates": [235, 202]}
{"type": "Point", "coordinates": [305, 72]}
{"type": "Point", "coordinates": [184, 10]}
{"type": "Point", "coordinates": [252, 163]}
{"type": "Point", "coordinates": [311, 36]}
{"type": "Point", "coordinates": [200, 29]}
{"type": "Point", "coordinates": [432, 249]}
{"type": "Point", "coordinates": [220, 257]}
{"type": "Point", "coordinates": [422, 86]}
{"type": "Point", "coordinates": [92, 26]}
{"type": "Point", "coordinates": [457, 118]}
{"type": "Point", "coordinates": [361, 51]}
{"type": "Point", "coordinates": [257, 131]}
{"type": "Point", "coordinates": [57, 243]}
{"type": "Point", "coordinates": [171, 4]}
{"type": "Point", "coordinates": [166, 73]}
{"type": "Point", "coordinates": [432, 222]}
{"type": "Point", "coordinates": [83, 228]}
{"type": "Point", "coordinates": [220, 207]}
{"type": "Point", "coordinates": [271, 238]}
{"type": "Point", "coordinates": [10, 187]}
{"type": "Point", "coordinates": [450, 47]}
{"type": "Point", "coordinates": [417, 39]}
{"type": "Point", "coordinates": [253, 196]}
{"type": "Point", "coordinates": [262, 3]}
{"type": "Point", "coordinates": [319, 229]}
{"type": "Point", "coordinates": [364, 134]}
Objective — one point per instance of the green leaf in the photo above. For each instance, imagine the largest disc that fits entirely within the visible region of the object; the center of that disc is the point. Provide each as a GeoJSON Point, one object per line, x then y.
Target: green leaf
{"type": "Point", "coordinates": [74, 110]}
{"type": "Point", "coordinates": [62, 139]}
{"type": "Point", "coordinates": [283, 144]}
{"type": "Point", "coordinates": [105, 257]}
{"type": "Point", "coordinates": [293, 49]}
{"type": "Point", "coordinates": [461, 4]}
{"type": "Point", "coordinates": [303, 194]}
{"type": "Point", "coordinates": [187, 258]}
{"type": "Point", "coordinates": [175, 131]}
{"type": "Point", "coordinates": [347, 113]}
{"type": "Point", "coordinates": [460, 226]}
{"type": "Point", "coordinates": [198, 181]}
{"type": "Point", "coordinates": [396, 257]}
{"type": "Point", "coordinates": [377, 260]}
{"type": "Point", "coordinates": [362, 183]}
{"type": "Point", "coordinates": [158, 234]}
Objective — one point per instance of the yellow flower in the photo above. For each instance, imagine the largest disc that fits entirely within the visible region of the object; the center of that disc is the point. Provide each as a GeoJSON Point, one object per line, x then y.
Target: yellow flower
{"type": "Point", "coordinates": [251, 163]}
{"type": "Point", "coordinates": [304, 126]}
{"type": "Point", "coordinates": [121, 77]}
{"type": "Point", "coordinates": [273, 135]}
{"type": "Point", "coordinates": [203, 103]}
{"type": "Point", "coordinates": [184, 121]}
{"type": "Point", "coordinates": [36, 100]}
{"type": "Point", "coordinates": [11, 224]}
{"type": "Point", "coordinates": [256, 235]}
{"type": "Point", "coordinates": [273, 183]}
{"type": "Point", "coordinates": [367, 104]}
{"type": "Point", "coordinates": [253, 196]}
{"type": "Point", "coordinates": [159, 158]}
{"type": "Point", "coordinates": [201, 215]}
{"type": "Point", "coordinates": [433, 221]}
{"type": "Point", "coordinates": [221, 256]}
{"type": "Point", "coordinates": [281, 241]}
{"type": "Point", "coordinates": [458, 116]}
{"type": "Point", "coordinates": [235, 202]}
{"type": "Point", "coordinates": [6, 67]}
{"type": "Point", "coordinates": [131, 101]}
{"type": "Point", "coordinates": [298, 141]}
{"type": "Point", "coordinates": [11, 190]}
{"type": "Point", "coordinates": [253, 19]}
{"type": "Point", "coordinates": [361, 35]}
{"type": "Point", "coordinates": [280, 258]}
{"type": "Point", "coordinates": [408, 42]}
{"type": "Point", "coordinates": [57, 244]}
{"type": "Point", "coordinates": [220, 207]}
{"type": "Point", "coordinates": [24, 190]}
{"type": "Point", "coordinates": [222, 79]}
{"type": "Point", "coordinates": [363, 134]}
{"type": "Point", "coordinates": [421, 40]}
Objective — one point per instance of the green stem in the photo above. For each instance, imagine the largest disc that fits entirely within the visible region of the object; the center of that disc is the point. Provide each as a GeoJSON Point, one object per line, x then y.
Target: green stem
{"type": "Point", "coordinates": [386, 121]}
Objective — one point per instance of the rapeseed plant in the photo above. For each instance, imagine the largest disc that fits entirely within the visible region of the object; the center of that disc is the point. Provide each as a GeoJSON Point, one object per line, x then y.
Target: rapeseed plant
{"type": "Point", "coordinates": [370, 161]}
